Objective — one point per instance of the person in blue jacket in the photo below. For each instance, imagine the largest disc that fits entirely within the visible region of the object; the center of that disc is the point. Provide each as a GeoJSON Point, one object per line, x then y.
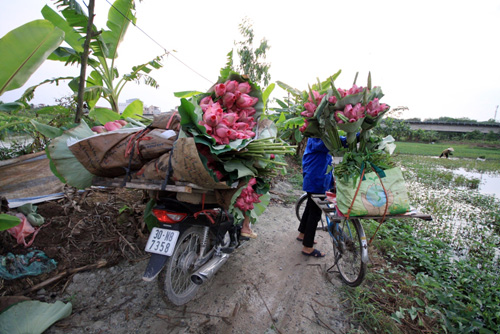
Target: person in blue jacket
{"type": "Point", "coordinates": [315, 162]}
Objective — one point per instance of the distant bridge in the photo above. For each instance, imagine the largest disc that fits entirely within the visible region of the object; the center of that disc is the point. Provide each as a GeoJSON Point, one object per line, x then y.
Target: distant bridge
{"type": "Point", "coordinates": [455, 126]}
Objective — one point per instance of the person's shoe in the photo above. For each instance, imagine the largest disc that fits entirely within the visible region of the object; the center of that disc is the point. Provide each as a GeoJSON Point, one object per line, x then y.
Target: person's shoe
{"type": "Point", "coordinates": [314, 253]}
{"type": "Point", "coordinates": [252, 235]}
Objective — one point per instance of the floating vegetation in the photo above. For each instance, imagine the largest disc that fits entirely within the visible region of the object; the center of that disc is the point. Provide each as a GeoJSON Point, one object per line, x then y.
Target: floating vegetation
{"type": "Point", "coordinates": [453, 260]}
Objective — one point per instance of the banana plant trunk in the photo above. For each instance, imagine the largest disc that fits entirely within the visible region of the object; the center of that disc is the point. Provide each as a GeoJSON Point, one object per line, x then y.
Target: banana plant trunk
{"type": "Point", "coordinates": [83, 69]}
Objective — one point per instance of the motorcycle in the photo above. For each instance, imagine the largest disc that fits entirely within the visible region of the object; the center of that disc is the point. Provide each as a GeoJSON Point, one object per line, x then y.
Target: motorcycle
{"type": "Point", "coordinates": [192, 243]}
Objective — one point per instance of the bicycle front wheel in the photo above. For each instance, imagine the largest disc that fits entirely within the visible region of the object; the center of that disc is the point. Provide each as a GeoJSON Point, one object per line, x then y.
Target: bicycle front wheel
{"type": "Point", "coordinates": [351, 251]}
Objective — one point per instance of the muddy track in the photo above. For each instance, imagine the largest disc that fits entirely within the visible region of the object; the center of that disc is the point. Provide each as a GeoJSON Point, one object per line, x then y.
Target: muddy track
{"type": "Point", "coordinates": [267, 286]}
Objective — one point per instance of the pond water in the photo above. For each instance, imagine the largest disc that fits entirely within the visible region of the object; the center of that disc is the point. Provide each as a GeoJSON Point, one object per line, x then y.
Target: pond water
{"type": "Point", "coordinates": [489, 185]}
{"type": "Point", "coordinates": [23, 140]}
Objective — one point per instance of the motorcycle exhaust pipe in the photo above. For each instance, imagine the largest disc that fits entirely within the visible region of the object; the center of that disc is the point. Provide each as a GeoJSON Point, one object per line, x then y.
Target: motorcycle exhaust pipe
{"type": "Point", "coordinates": [207, 271]}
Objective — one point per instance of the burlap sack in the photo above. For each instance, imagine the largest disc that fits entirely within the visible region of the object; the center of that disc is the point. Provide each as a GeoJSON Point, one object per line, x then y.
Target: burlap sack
{"type": "Point", "coordinates": [154, 169]}
{"type": "Point", "coordinates": [110, 154]}
{"type": "Point", "coordinates": [155, 143]}
{"type": "Point", "coordinates": [168, 120]}
{"type": "Point", "coordinates": [187, 166]}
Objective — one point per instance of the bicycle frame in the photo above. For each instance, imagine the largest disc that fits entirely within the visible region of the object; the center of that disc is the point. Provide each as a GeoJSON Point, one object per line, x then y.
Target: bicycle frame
{"type": "Point", "coordinates": [336, 235]}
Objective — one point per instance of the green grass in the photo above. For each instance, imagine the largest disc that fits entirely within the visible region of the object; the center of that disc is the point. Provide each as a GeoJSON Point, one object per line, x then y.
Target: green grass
{"type": "Point", "coordinates": [468, 151]}
{"type": "Point", "coordinates": [442, 275]}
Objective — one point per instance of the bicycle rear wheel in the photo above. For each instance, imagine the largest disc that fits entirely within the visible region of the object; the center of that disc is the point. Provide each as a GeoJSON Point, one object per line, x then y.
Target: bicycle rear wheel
{"type": "Point", "coordinates": [300, 206]}
{"type": "Point", "coordinates": [350, 250]}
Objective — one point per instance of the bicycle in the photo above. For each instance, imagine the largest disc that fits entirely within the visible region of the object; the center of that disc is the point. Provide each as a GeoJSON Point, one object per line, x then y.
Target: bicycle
{"type": "Point", "coordinates": [350, 246]}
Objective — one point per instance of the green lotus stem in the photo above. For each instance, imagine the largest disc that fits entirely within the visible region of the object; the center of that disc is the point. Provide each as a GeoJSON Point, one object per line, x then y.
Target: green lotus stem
{"type": "Point", "coordinates": [255, 151]}
{"type": "Point", "coordinates": [269, 145]}
{"type": "Point", "coordinates": [246, 154]}
{"type": "Point", "coordinates": [275, 162]}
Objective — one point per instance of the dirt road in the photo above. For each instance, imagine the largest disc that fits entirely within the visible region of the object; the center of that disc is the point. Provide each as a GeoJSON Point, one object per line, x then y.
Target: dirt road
{"type": "Point", "coordinates": [267, 286]}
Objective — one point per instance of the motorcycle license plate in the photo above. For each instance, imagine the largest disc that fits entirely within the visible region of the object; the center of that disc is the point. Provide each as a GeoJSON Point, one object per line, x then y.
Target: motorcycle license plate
{"type": "Point", "coordinates": [162, 241]}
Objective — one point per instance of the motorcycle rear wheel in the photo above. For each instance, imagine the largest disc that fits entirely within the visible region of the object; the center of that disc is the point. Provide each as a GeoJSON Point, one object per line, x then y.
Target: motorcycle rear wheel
{"type": "Point", "coordinates": [175, 279]}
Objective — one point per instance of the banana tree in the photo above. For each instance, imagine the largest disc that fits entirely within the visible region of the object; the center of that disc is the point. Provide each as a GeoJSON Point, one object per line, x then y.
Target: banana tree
{"type": "Point", "coordinates": [102, 81]}
{"type": "Point", "coordinates": [22, 51]}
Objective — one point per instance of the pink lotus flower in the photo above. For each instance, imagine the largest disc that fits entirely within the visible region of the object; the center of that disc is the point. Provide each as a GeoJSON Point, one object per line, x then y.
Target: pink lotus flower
{"type": "Point", "coordinates": [244, 87]}
{"type": "Point", "coordinates": [310, 109]}
{"type": "Point", "coordinates": [230, 119]}
{"type": "Point", "coordinates": [354, 113]}
{"type": "Point", "coordinates": [246, 101]}
{"type": "Point", "coordinates": [332, 99]}
{"type": "Point", "coordinates": [228, 100]}
{"type": "Point", "coordinates": [317, 97]}
{"type": "Point", "coordinates": [99, 129]}
{"type": "Point", "coordinates": [220, 89]}
{"type": "Point", "coordinates": [240, 126]}
{"type": "Point", "coordinates": [248, 197]}
{"type": "Point", "coordinates": [122, 122]}
{"type": "Point", "coordinates": [303, 127]}
{"type": "Point", "coordinates": [355, 90]}
{"type": "Point", "coordinates": [231, 86]}
{"type": "Point", "coordinates": [249, 110]}
{"type": "Point", "coordinates": [373, 108]}
{"type": "Point", "coordinates": [206, 102]}
{"type": "Point", "coordinates": [207, 127]}
{"type": "Point", "coordinates": [222, 131]}
{"type": "Point", "coordinates": [113, 125]}
{"type": "Point", "coordinates": [213, 115]}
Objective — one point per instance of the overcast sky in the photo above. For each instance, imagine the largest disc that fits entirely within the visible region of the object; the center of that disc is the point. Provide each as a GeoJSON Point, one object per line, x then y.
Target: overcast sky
{"type": "Point", "coordinates": [438, 58]}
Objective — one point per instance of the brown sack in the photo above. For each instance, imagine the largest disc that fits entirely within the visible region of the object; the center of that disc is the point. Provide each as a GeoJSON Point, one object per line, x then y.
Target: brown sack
{"type": "Point", "coordinates": [187, 166]}
{"type": "Point", "coordinates": [155, 169]}
{"type": "Point", "coordinates": [155, 143]}
{"type": "Point", "coordinates": [109, 154]}
{"type": "Point", "coordinates": [168, 120]}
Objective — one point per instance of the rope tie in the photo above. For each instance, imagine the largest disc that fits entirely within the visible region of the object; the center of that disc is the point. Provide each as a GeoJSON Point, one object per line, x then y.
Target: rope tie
{"type": "Point", "coordinates": [386, 199]}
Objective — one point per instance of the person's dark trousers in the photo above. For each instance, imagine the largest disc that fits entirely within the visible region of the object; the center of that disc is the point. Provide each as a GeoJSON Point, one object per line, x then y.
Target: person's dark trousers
{"type": "Point", "coordinates": [309, 221]}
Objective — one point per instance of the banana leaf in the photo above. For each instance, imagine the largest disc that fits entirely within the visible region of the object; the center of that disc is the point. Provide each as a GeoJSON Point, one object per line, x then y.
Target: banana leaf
{"type": "Point", "coordinates": [24, 49]}
{"type": "Point", "coordinates": [32, 316]}
{"type": "Point", "coordinates": [65, 162]}
{"type": "Point", "coordinates": [120, 16]}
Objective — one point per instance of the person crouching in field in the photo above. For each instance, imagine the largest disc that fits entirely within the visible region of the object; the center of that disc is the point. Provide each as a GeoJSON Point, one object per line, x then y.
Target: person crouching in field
{"type": "Point", "coordinates": [448, 151]}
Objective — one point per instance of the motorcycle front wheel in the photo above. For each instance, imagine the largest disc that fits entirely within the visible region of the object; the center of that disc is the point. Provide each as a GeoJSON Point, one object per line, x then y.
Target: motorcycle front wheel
{"type": "Point", "coordinates": [175, 279]}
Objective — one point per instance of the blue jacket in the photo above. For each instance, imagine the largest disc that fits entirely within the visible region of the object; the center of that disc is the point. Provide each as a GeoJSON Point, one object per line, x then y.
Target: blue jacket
{"type": "Point", "coordinates": [315, 162]}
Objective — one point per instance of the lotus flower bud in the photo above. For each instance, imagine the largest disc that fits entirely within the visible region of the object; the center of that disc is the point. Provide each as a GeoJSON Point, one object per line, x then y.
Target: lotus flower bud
{"type": "Point", "coordinates": [231, 86]}
{"type": "Point", "coordinates": [206, 102]}
{"type": "Point", "coordinates": [229, 119]}
{"type": "Point", "coordinates": [209, 129]}
{"type": "Point", "coordinates": [111, 126]}
{"type": "Point", "coordinates": [220, 89]}
{"type": "Point", "coordinates": [228, 100]}
{"type": "Point", "coordinates": [244, 87]}
{"type": "Point", "coordinates": [122, 122]}
{"type": "Point", "coordinates": [246, 100]}
{"type": "Point", "coordinates": [99, 129]}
